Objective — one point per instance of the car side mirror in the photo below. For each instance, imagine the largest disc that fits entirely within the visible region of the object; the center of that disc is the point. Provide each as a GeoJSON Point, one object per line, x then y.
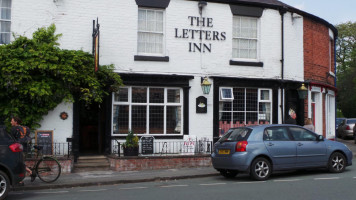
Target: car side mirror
{"type": "Point", "coordinates": [320, 138]}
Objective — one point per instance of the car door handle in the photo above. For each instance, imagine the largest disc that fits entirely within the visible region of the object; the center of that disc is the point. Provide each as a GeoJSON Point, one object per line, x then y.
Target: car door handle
{"type": "Point", "coordinates": [300, 144]}
{"type": "Point", "coordinates": [270, 144]}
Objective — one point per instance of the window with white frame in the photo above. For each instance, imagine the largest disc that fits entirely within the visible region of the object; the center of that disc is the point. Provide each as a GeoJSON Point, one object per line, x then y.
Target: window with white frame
{"type": "Point", "coordinates": [249, 106]}
{"type": "Point", "coordinates": [226, 94]}
{"type": "Point", "coordinates": [150, 34]}
{"type": "Point", "coordinates": [148, 110]}
{"type": "Point", "coordinates": [5, 21]}
{"type": "Point", "coordinates": [245, 37]}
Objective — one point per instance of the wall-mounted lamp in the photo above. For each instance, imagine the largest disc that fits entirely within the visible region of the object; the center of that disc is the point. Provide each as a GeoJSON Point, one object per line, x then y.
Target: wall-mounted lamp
{"type": "Point", "coordinates": [205, 85]}
{"type": "Point", "coordinates": [201, 5]}
{"type": "Point", "coordinates": [302, 92]}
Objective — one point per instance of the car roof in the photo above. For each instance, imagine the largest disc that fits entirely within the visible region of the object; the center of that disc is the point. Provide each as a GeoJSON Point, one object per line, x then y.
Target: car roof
{"type": "Point", "coordinates": [267, 125]}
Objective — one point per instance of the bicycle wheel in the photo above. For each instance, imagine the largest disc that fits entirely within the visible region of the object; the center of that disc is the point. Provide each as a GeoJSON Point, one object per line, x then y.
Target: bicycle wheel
{"type": "Point", "coordinates": [48, 169]}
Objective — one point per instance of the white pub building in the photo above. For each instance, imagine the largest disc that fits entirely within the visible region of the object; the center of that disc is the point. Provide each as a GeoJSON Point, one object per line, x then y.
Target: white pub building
{"type": "Point", "coordinates": [253, 54]}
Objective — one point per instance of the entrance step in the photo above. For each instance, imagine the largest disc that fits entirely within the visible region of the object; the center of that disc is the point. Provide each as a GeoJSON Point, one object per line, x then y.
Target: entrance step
{"type": "Point", "coordinates": [91, 163]}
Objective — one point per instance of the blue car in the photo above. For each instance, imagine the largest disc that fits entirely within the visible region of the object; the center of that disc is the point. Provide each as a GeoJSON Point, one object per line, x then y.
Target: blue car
{"type": "Point", "coordinates": [261, 150]}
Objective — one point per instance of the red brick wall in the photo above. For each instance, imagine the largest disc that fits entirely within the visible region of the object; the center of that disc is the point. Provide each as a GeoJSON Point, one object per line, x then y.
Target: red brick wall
{"type": "Point", "coordinates": [66, 164]}
{"type": "Point", "coordinates": [157, 162]}
{"type": "Point", "coordinates": [317, 55]}
{"type": "Point", "coordinates": [316, 52]}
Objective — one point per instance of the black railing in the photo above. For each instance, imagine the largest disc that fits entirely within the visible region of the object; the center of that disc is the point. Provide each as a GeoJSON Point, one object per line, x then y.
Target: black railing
{"type": "Point", "coordinates": [52, 149]}
{"type": "Point", "coordinates": [167, 148]}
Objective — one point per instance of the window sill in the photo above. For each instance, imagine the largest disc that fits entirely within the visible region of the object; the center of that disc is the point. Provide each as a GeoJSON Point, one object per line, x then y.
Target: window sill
{"type": "Point", "coordinates": [244, 63]}
{"type": "Point", "coordinates": [151, 58]}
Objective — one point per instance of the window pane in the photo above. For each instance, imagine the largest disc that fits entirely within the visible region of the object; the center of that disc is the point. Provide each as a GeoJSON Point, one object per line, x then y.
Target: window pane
{"type": "Point", "coordinates": [264, 95]}
{"type": "Point", "coordinates": [4, 38]}
{"type": "Point", "coordinates": [264, 113]}
{"type": "Point", "coordinates": [5, 26]}
{"type": "Point", "coordinates": [251, 99]}
{"type": "Point", "coordinates": [174, 119]}
{"type": "Point", "coordinates": [139, 95]}
{"type": "Point", "coordinates": [122, 95]}
{"type": "Point", "coordinates": [173, 95]}
{"type": "Point", "coordinates": [276, 134]}
{"type": "Point", "coordinates": [239, 99]}
{"type": "Point", "coordinates": [226, 93]}
{"type": "Point", "coordinates": [139, 115]}
{"type": "Point", "coordinates": [121, 119]}
{"type": "Point", "coordinates": [5, 13]}
{"type": "Point", "coordinates": [6, 3]}
{"type": "Point", "coordinates": [300, 134]}
{"type": "Point", "coordinates": [156, 95]}
{"type": "Point", "coordinates": [142, 20]}
{"type": "Point", "coordinates": [156, 119]}
{"type": "Point", "coordinates": [239, 117]}
{"type": "Point", "coordinates": [251, 117]}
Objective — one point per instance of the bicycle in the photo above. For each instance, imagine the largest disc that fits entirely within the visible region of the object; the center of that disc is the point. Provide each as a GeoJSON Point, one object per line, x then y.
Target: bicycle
{"type": "Point", "coordinates": [47, 168]}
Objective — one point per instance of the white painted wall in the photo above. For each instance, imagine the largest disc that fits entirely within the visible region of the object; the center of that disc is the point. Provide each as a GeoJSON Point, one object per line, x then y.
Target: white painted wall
{"type": "Point", "coordinates": [62, 129]}
{"type": "Point", "coordinates": [118, 45]}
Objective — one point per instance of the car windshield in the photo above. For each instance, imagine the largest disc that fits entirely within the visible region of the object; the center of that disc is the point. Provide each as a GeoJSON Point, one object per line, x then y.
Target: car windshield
{"type": "Point", "coordinates": [351, 121]}
{"type": "Point", "coordinates": [235, 134]}
{"type": "Point", "coordinates": [338, 121]}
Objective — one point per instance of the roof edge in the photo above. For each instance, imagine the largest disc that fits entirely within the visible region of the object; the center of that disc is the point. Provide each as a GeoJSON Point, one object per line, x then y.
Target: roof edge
{"type": "Point", "coordinates": [281, 5]}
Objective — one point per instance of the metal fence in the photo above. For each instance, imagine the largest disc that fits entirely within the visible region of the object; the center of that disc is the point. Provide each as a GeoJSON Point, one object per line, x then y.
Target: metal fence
{"type": "Point", "coordinates": [52, 149]}
{"type": "Point", "coordinates": [168, 148]}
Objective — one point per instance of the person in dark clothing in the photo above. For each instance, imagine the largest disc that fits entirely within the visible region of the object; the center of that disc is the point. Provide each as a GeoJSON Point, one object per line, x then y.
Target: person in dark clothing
{"type": "Point", "coordinates": [16, 133]}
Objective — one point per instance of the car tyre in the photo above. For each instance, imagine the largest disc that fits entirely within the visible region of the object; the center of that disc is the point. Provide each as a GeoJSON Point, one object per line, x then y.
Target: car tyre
{"type": "Point", "coordinates": [260, 169]}
{"type": "Point", "coordinates": [337, 163]}
{"type": "Point", "coordinates": [229, 173]}
{"type": "Point", "coordinates": [4, 185]}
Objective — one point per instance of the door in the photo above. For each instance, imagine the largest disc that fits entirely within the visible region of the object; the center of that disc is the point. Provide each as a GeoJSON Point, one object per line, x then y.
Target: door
{"type": "Point", "coordinates": [280, 146]}
{"type": "Point", "coordinates": [310, 152]}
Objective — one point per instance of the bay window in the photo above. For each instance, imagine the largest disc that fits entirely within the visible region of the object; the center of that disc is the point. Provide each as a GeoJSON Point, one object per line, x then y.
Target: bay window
{"type": "Point", "coordinates": [148, 110]}
{"type": "Point", "coordinates": [248, 106]}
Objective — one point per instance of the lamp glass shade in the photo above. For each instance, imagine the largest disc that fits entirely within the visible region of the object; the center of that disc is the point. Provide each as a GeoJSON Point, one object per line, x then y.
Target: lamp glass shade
{"type": "Point", "coordinates": [205, 86]}
{"type": "Point", "coordinates": [302, 92]}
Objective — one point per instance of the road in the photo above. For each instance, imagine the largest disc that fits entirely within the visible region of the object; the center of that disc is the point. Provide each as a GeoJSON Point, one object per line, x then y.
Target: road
{"type": "Point", "coordinates": [313, 184]}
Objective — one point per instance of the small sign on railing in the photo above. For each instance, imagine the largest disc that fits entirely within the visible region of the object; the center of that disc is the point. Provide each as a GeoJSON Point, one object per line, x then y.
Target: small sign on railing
{"type": "Point", "coordinates": [147, 145]}
{"type": "Point", "coordinates": [45, 139]}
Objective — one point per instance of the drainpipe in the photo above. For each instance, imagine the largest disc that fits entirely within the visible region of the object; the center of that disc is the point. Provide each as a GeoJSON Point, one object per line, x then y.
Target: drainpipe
{"type": "Point", "coordinates": [282, 11]}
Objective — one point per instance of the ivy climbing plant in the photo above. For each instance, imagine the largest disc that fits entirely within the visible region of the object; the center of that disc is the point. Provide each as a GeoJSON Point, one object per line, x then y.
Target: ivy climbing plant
{"type": "Point", "coordinates": [37, 75]}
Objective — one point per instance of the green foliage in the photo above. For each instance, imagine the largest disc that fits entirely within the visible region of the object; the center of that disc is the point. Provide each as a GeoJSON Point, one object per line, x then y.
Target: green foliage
{"type": "Point", "coordinates": [36, 75]}
{"type": "Point", "coordinates": [346, 68]}
{"type": "Point", "coordinates": [131, 140]}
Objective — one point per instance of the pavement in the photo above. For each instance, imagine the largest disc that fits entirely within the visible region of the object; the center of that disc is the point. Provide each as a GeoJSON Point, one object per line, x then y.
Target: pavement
{"type": "Point", "coordinates": [97, 178]}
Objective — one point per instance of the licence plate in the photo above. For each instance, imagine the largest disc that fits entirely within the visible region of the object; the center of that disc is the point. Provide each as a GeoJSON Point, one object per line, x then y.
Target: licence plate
{"type": "Point", "coordinates": [224, 151]}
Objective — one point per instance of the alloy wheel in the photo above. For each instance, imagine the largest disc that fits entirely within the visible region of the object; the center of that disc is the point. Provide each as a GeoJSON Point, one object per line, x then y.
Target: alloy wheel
{"type": "Point", "coordinates": [338, 163]}
{"type": "Point", "coordinates": [262, 169]}
{"type": "Point", "coordinates": [2, 185]}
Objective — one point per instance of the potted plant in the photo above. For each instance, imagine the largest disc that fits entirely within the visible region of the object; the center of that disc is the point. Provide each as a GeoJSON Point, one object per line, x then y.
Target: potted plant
{"type": "Point", "coordinates": [130, 146]}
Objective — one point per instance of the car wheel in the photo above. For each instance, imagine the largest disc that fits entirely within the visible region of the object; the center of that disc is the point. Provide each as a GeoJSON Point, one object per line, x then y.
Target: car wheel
{"type": "Point", "coordinates": [4, 185]}
{"type": "Point", "coordinates": [337, 163]}
{"type": "Point", "coordinates": [229, 173]}
{"type": "Point", "coordinates": [260, 169]}
{"type": "Point", "coordinates": [355, 138]}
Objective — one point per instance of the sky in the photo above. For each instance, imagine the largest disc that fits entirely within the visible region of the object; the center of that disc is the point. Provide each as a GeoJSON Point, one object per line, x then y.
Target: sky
{"type": "Point", "coordinates": [333, 11]}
